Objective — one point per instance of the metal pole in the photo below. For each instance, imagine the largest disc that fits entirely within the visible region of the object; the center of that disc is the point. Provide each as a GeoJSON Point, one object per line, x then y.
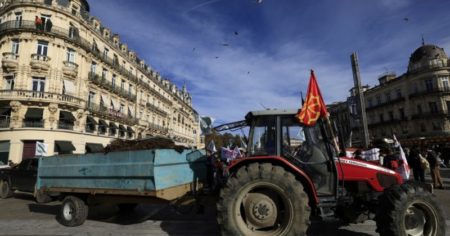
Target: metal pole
{"type": "Point", "coordinates": [361, 105]}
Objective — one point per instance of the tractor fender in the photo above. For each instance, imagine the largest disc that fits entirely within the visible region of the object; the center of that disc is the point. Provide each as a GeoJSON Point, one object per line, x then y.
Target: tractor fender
{"type": "Point", "coordinates": [275, 160]}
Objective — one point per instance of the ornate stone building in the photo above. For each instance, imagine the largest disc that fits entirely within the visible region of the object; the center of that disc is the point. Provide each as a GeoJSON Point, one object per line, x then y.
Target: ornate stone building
{"type": "Point", "coordinates": [68, 81]}
{"type": "Point", "coordinates": [416, 104]}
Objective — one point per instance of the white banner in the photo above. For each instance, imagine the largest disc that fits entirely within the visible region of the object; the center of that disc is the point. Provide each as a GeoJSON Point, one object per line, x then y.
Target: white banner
{"type": "Point", "coordinates": [41, 149]}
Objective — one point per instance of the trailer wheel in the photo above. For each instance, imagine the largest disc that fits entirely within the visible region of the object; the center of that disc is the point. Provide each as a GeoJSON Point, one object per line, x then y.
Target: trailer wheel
{"type": "Point", "coordinates": [73, 212]}
{"type": "Point", "coordinates": [5, 189]}
{"type": "Point", "coordinates": [262, 199]}
{"type": "Point", "coordinates": [40, 196]}
{"type": "Point", "coordinates": [409, 210]}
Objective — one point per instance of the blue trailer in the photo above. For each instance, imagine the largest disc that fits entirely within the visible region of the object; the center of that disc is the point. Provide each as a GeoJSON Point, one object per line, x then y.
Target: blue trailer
{"type": "Point", "coordinates": [126, 177]}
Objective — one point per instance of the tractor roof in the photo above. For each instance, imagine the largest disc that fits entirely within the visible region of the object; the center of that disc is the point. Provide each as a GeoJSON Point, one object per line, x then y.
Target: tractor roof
{"type": "Point", "coordinates": [271, 112]}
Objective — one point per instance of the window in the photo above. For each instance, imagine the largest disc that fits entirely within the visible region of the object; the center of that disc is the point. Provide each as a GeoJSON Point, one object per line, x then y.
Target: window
{"type": "Point", "coordinates": [130, 89]}
{"type": "Point", "coordinates": [15, 46]}
{"type": "Point", "coordinates": [378, 100]}
{"type": "Point", "coordinates": [91, 98]}
{"type": "Point", "coordinates": [105, 53]}
{"type": "Point", "coordinates": [399, 93]}
{"type": "Point", "coordinates": [104, 74]}
{"type": "Point", "coordinates": [429, 85]}
{"type": "Point", "coordinates": [433, 107]}
{"type": "Point", "coordinates": [381, 116]}
{"type": "Point", "coordinates": [48, 2]}
{"type": "Point", "coordinates": [419, 109]}
{"type": "Point", "coordinates": [113, 81]}
{"type": "Point", "coordinates": [46, 22]}
{"type": "Point", "coordinates": [93, 67]}
{"type": "Point", "coordinates": [370, 101]}
{"type": "Point", "coordinates": [445, 84]}
{"type": "Point", "coordinates": [74, 10]}
{"type": "Point", "coordinates": [391, 115]}
{"type": "Point", "coordinates": [388, 96]}
{"type": "Point", "coordinates": [401, 111]}
{"type": "Point", "coordinates": [70, 55]}
{"type": "Point", "coordinates": [63, 3]}
{"type": "Point", "coordinates": [38, 85]}
{"type": "Point", "coordinates": [73, 31]}
{"type": "Point", "coordinates": [121, 108]}
{"type": "Point", "coordinates": [18, 21]}
{"type": "Point", "coordinates": [42, 48]}
{"type": "Point", "coordinates": [448, 106]}
{"type": "Point", "coordinates": [122, 85]}
{"type": "Point", "coordinates": [9, 81]}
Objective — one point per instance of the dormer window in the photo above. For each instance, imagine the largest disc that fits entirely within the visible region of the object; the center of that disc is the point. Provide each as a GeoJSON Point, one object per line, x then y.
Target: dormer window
{"type": "Point", "coordinates": [74, 10]}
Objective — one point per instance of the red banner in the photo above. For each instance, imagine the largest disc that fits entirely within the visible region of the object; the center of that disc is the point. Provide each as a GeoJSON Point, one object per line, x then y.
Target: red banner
{"type": "Point", "coordinates": [314, 107]}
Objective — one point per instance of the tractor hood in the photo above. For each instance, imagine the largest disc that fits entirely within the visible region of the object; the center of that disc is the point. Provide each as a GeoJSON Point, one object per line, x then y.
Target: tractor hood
{"type": "Point", "coordinates": [376, 176]}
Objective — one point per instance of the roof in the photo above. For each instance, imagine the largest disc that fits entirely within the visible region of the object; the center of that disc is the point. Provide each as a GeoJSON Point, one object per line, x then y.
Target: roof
{"type": "Point", "coordinates": [270, 112]}
{"type": "Point", "coordinates": [427, 52]}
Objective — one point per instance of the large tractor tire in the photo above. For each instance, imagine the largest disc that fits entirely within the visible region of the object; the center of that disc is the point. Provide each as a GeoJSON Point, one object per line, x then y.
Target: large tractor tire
{"type": "Point", "coordinates": [263, 199]}
{"type": "Point", "coordinates": [5, 189]}
{"type": "Point", "coordinates": [409, 210]}
{"type": "Point", "coordinates": [73, 212]}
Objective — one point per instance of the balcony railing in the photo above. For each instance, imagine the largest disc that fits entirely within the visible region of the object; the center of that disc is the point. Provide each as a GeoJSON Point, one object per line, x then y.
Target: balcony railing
{"type": "Point", "coordinates": [428, 115]}
{"type": "Point", "coordinates": [4, 123]}
{"type": "Point", "coordinates": [386, 103]}
{"type": "Point", "coordinates": [156, 109]}
{"type": "Point", "coordinates": [39, 57]}
{"type": "Point", "coordinates": [156, 127]}
{"type": "Point", "coordinates": [104, 83]}
{"type": "Point", "coordinates": [111, 114]}
{"type": "Point", "coordinates": [431, 91]}
{"type": "Point", "coordinates": [33, 123]}
{"type": "Point", "coordinates": [65, 125]}
{"type": "Point", "coordinates": [30, 95]}
{"type": "Point", "coordinates": [10, 56]}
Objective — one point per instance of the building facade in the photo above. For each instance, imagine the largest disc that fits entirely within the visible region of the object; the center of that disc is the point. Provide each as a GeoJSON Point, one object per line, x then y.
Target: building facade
{"type": "Point", "coordinates": [69, 82]}
{"type": "Point", "coordinates": [415, 105]}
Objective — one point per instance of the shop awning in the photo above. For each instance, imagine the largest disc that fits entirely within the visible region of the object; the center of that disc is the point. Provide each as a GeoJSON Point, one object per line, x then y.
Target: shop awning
{"type": "Point", "coordinates": [105, 99]}
{"type": "Point", "coordinates": [116, 104]}
{"type": "Point", "coordinates": [63, 147]}
{"type": "Point", "coordinates": [4, 146]}
{"type": "Point", "coordinates": [34, 113]}
{"type": "Point", "coordinates": [122, 128]}
{"type": "Point", "coordinates": [102, 123]}
{"type": "Point", "coordinates": [130, 130]}
{"type": "Point", "coordinates": [66, 115]}
{"type": "Point", "coordinates": [69, 87]}
{"type": "Point", "coordinates": [91, 120]}
{"type": "Point", "coordinates": [112, 125]}
{"type": "Point", "coordinates": [94, 147]}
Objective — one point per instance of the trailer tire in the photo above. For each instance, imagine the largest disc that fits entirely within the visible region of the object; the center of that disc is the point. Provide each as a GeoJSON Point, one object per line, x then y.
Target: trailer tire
{"type": "Point", "coordinates": [73, 212]}
{"type": "Point", "coordinates": [408, 209]}
{"type": "Point", "coordinates": [5, 189]}
{"type": "Point", "coordinates": [41, 197]}
{"type": "Point", "coordinates": [263, 199]}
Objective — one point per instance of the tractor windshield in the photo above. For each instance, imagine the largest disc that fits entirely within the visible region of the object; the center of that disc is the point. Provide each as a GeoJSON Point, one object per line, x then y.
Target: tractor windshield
{"type": "Point", "coordinates": [263, 136]}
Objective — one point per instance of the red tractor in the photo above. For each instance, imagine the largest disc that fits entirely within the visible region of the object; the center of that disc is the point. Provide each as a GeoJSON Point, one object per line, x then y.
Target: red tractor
{"type": "Point", "coordinates": [292, 173]}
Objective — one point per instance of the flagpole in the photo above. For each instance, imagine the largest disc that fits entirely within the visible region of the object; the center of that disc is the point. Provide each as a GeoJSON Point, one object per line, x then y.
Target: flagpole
{"type": "Point", "coordinates": [333, 135]}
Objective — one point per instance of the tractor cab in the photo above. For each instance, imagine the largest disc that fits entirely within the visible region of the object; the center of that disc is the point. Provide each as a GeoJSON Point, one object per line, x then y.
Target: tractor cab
{"type": "Point", "coordinates": [279, 133]}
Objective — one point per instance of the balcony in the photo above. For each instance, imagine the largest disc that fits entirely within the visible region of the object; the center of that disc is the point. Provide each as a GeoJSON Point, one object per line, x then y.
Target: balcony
{"type": "Point", "coordinates": [10, 61]}
{"type": "Point", "coordinates": [41, 63]}
{"type": "Point", "coordinates": [36, 96]}
{"type": "Point", "coordinates": [65, 125]}
{"type": "Point", "coordinates": [4, 123]}
{"type": "Point", "coordinates": [432, 91]}
{"type": "Point", "coordinates": [157, 128]}
{"type": "Point", "coordinates": [70, 69]}
{"type": "Point", "coordinates": [33, 124]}
{"type": "Point", "coordinates": [104, 83]}
{"type": "Point", "coordinates": [386, 103]}
{"type": "Point", "coordinates": [110, 114]}
{"type": "Point", "coordinates": [429, 115]}
{"type": "Point", "coordinates": [156, 109]}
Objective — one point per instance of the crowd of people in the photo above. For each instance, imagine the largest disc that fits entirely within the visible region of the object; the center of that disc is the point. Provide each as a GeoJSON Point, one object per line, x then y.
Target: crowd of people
{"type": "Point", "coordinates": [425, 160]}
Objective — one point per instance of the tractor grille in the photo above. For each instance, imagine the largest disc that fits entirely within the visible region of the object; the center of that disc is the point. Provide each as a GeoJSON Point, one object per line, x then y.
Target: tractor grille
{"type": "Point", "coordinates": [386, 180]}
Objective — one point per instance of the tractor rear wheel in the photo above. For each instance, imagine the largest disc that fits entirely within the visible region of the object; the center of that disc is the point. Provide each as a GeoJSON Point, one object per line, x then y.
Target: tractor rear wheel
{"type": "Point", "coordinates": [263, 199]}
{"type": "Point", "coordinates": [409, 210]}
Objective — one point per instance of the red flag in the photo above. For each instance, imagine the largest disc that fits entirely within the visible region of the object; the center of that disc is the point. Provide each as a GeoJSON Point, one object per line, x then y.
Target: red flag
{"type": "Point", "coordinates": [314, 107]}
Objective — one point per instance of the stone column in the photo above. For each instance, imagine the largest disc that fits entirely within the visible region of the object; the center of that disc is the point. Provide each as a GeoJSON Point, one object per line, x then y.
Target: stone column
{"type": "Point", "coordinates": [51, 116]}
{"type": "Point", "coordinates": [17, 114]}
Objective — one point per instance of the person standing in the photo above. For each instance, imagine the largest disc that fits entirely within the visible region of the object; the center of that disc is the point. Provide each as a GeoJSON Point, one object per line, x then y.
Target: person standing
{"type": "Point", "coordinates": [416, 165]}
{"type": "Point", "coordinates": [434, 169]}
{"type": "Point", "coordinates": [38, 22]}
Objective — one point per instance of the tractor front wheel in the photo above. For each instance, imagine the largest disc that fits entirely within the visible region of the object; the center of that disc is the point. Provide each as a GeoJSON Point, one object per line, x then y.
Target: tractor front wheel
{"type": "Point", "coordinates": [263, 199]}
{"type": "Point", "coordinates": [409, 210]}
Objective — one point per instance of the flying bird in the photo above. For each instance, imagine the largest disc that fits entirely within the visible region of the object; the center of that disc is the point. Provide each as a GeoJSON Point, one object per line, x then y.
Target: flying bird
{"type": "Point", "coordinates": [225, 44]}
{"type": "Point", "coordinates": [193, 49]}
{"type": "Point", "coordinates": [259, 1]}
{"type": "Point", "coordinates": [217, 57]}
{"type": "Point", "coordinates": [236, 33]}
{"type": "Point", "coordinates": [406, 19]}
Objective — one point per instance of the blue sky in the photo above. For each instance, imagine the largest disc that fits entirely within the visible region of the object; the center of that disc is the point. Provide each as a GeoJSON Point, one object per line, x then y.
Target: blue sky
{"type": "Point", "coordinates": [267, 63]}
